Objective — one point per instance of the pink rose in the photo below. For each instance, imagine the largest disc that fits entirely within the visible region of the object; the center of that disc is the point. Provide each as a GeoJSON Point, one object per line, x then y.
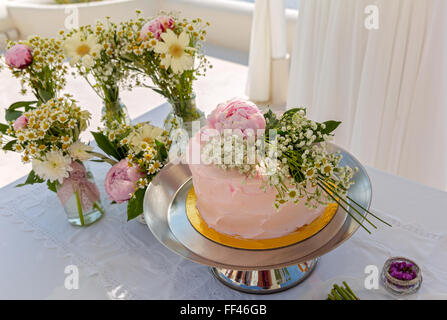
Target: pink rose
{"type": "Point", "coordinates": [121, 181]}
{"type": "Point", "coordinates": [19, 56]}
{"type": "Point", "coordinates": [20, 123]}
{"type": "Point", "coordinates": [157, 26]}
{"type": "Point", "coordinates": [236, 114]}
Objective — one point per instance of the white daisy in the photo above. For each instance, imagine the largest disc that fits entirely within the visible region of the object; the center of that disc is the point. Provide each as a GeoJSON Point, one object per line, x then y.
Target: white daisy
{"type": "Point", "coordinates": [84, 50]}
{"type": "Point", "coordinates": [80, 151]}
{"type": "Point", "coordinates": [173, 51]}
{"type": "Point", "coordinates": [145, 135]}
{"type": "Point", "coordinates": [54, 167]}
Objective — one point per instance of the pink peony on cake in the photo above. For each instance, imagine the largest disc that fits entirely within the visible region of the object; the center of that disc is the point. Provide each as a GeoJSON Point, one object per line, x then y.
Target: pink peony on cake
{"type": "Point", "coordinates": [233, 204]}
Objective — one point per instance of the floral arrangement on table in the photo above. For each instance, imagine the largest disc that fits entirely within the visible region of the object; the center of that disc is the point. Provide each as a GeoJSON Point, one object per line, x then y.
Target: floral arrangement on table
{"type": "Point", "coordinates": [93, 51]}
{"type": "Point", "coordinates": [290, 149]}
{"type": "Point", "coordinates": [47, 135]}
{"type": "Point", "coordinates": [38, 63]}
{"type": "Point", "coordinates": [166, 49]}
{"type": "Point", "coordinates": [137, 153]}
{"type": "Point", "coordinates": [46, 131]}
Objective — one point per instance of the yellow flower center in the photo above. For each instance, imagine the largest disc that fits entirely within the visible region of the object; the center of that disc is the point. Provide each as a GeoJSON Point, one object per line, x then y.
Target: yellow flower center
{"type": "Point", "coordinates": [83, 49]}
{"type": "Point", "coordinates": [175, 50]}
{"type": "Point", "coordinates": [148, 140]}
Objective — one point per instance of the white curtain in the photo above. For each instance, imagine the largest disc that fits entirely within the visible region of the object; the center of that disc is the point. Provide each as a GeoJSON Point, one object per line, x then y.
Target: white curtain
{"type": "Point", "coordinates": [387, 85]}
{"type": "Point", "coordinates": [268, 63]}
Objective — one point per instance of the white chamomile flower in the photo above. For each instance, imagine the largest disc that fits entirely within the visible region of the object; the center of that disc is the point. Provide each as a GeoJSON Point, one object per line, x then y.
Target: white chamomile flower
{"type": "Point", "coordinates": [82, 50]}
{"type": "Point", "coordinates": [173, 51]}
{"type": "Point", "coordinates": [80, 151]}
{"type": "Point", "coordinates": [145, 134]}
{"type": "Point", "coordinates": [54, 167]}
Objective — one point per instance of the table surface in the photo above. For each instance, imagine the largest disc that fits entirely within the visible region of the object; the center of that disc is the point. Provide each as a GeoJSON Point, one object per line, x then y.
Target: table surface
{"type": "Point", "coordinates": [123, 260]}
{"type": "Point", "coordinates": [117, 259]}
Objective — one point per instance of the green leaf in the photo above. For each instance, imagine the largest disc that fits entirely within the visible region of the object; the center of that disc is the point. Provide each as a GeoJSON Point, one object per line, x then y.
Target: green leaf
{"type": "Point", "coordinates": [31, 179]}
{"type": "Point", "coordinates": [20, 104]}
{"type": "Point", "coordinates": [9, 145]}
{"type": "Point", "coordinates": [160, 92]}
{"type": "Point", "coordinates": [291, 112]}
{"type": "Point", "coordinates": [3, 127]}
{"type": "Point", "coordinates": [105, 145]}
{"type": "Point", "coordinates": [52, 186]}
{"type": "Point", "coordinates": [161, 150]}
{"type": "Point", "coordinates": [135, 204]}
{"type": "Point", "coordinates": [45, 95]}
{"type": "Point", "coordinates": [12, 113]}
{"type": "Point", "coordinates": [331, 125]}
{"type": "Point", "coordinates": [271, 120]}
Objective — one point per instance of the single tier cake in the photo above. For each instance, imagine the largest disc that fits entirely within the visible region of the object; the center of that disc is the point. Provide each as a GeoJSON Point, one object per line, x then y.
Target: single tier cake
{"type": "Point", "coordinates": [235, 208]}
{"type": "Point", "coordinates": [227, 200]}
{"type": "Point", "coordinates": [234, 205]}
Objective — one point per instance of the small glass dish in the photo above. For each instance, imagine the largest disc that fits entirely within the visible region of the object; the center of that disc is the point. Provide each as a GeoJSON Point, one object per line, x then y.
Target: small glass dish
{"type": "Point", "coordinates": [401, 287]}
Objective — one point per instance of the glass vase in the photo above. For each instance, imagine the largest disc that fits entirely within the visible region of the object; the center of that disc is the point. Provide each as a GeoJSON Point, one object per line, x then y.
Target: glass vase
{"type": "Point", "coordinates": [80, 196]}
{"type": "Point", "coordinates": [114, 111]}
{"type": "Point", "coordinates": [184, 113]}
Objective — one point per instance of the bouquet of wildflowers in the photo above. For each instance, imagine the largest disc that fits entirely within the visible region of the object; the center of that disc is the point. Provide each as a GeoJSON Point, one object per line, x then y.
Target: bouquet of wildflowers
{"type": "Point", "coordinates": [166, 49]}
{"type": "Point", "coordinates": [47, 135]}
{"type": "Point", "coordinates": [38, 63]}
{"type": "Point", "coordinates": [290, 150]}
{"type": "Point", "coordinates": [137, 153]}
{"type": "Point", "coordinates": [93, 51]}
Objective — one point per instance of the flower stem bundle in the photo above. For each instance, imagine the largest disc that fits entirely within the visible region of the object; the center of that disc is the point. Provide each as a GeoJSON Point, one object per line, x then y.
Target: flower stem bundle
{"type": "Point", "coordinates": [342, 293]}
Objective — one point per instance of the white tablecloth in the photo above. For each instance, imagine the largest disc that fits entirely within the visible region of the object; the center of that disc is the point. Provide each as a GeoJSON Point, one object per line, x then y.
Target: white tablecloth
{"type": "Point", "coordinates": [123, 260]}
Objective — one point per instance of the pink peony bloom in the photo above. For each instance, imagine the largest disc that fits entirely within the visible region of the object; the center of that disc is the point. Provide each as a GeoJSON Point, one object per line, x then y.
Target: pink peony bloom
{"type": "Point", "coordinates": [236, 114]}
{"type": "Point", "coordinates": [157, 26]}
{"type": "Point", "coordinates": [20, 123]}
{"type": "Point", "coordinates": [120, 181]}
{"type": "Point", "coordinates": [19, 56]}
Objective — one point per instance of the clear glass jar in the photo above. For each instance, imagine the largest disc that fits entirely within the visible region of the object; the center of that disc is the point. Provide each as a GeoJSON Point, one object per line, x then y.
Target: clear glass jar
{"type": "Point", "coordinates": [80, 196]}
{"type": "Point", "coordinates": [400, 287]}
{"type": "Point", "coordinates": [187, 111]}
{"type": "Point", "coordinates": [114, 111]}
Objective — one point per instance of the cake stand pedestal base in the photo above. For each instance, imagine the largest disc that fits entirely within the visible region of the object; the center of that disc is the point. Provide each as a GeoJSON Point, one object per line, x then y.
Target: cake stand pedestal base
{"type": "Point", "coordinates": [265, 281]}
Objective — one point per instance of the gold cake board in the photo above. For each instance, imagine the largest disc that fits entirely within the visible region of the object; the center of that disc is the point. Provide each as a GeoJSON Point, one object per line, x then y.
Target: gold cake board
{"type": "Point", "coordinates": [300, 234]}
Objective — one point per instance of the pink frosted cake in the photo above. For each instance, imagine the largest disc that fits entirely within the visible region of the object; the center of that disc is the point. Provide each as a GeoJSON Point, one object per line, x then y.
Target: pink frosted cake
{"type": "Point", "coordinates": [234, 205]}
{"type": "Point", "coordinates": [243, 209]}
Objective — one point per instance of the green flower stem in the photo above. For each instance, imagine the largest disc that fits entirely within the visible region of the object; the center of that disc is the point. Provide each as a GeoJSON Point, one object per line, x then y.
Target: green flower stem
{"type": "Point", "coordinates": [114, 111]}
{"type": "Point", "coordinates": [370, 213]}
{"type": "Point", "coordinates": [336, 295]}
{"type": "Point", "coordinates": [345, 209]}
{"type": "Point", "coordinates": [103, 158]}
{"type": "Point", "coordinates": [342, 293]}
{"type": "Point", "coordinates": [80, 213]}
{"type": "Point", "coordinates": [350, 291]}
{"type": "Point", "coordinates": [95, 205]}
{"type": "Point", "coordinates": [340, 197]}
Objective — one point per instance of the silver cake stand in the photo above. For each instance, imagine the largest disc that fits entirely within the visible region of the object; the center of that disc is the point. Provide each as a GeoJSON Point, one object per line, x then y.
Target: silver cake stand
{"type": "Point", "coordinates": [251, 271]}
